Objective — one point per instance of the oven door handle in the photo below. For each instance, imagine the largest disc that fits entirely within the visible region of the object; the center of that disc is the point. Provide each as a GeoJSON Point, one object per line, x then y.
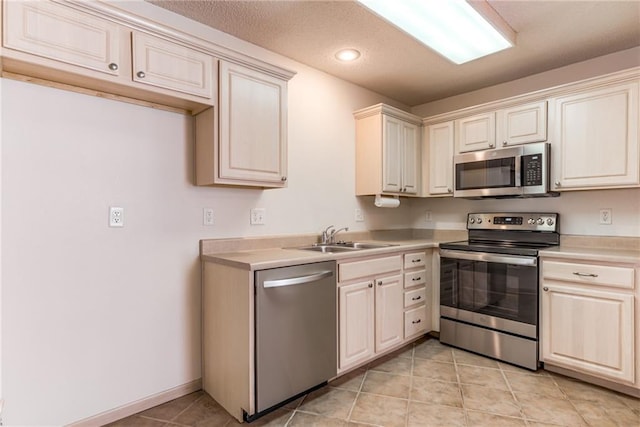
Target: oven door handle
{"type": "Point", "coordinates": [489, 257]}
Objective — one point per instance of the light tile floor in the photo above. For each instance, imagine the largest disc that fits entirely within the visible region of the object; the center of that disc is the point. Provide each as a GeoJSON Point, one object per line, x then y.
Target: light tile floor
{"type": "Point", "coordinates": [424, 384]}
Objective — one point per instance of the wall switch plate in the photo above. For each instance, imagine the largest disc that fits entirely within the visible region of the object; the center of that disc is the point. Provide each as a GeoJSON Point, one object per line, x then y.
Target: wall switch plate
{"type": "Point", "coordinates": [258, 216]}
{"type": "Point", "coordinates": [359, 216]}
{"type": "Point", "coordinates": [428, 216]}
{"type": "Point", "coordinates": [207, 216]}
{"type": "Point", "coordinates": [116, 217]}
{"type": "Point", "coordinates": [605, 216]}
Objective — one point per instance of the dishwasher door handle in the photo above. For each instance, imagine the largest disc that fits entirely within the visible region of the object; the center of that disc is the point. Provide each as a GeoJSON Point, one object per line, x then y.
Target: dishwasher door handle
{"type": "Point", "coordinates": [297, 280]}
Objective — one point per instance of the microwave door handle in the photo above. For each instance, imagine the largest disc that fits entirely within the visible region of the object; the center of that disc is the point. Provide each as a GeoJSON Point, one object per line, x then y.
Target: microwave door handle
{"type": "Point", "coordinates": [518, 171]}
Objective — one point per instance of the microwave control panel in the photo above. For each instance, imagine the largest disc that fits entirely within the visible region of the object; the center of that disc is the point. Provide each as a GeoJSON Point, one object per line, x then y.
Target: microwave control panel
{"type": "Point", "coordinates": [532, 170]}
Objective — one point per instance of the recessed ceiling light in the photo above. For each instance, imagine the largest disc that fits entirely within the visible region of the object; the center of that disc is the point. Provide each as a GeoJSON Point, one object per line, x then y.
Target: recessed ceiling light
{"type": "Point", "coordinates": [347, 55]}
{"type": "Point", "coordinates": [453, 28]}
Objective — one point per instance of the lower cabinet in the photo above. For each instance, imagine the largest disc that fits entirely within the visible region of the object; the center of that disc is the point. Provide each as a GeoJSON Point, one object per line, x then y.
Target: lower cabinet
{"type": "Point", "coordinates": [588, 317]}
{"type": "Point", "coordinates": [382, 304]}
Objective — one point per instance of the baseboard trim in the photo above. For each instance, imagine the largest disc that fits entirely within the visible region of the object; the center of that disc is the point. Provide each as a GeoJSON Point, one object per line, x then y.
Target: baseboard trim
{"type": "Point", "coordinates": [139, 405]}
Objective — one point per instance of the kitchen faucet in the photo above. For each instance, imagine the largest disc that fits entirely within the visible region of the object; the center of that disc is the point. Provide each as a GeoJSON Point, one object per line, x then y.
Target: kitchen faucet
{"type": "Point", "coordinates": [329, 234]}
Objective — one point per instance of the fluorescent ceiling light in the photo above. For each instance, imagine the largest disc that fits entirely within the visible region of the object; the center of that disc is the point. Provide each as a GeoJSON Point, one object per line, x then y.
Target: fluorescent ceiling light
{"type": "Point", "coordinates": [452, 28]}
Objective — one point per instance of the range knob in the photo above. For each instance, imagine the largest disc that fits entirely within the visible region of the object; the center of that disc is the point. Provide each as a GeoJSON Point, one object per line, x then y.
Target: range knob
{"type": "Point", "coordinates": [479, 220]}
{"type": "Point", "coordinates": [472, 220]}
{"type": "Point", "coordinates": [531, 221]}
{"type": "Point", "coordinates": [549, 221]}
{"type": "Point", "coordinates": [540, 221]}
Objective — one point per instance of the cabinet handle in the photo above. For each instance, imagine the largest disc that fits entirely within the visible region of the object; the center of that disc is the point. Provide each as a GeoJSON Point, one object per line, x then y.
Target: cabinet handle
{"type": "Point", "coordinates": [504, 142]}
{"type": "Point", "coordinates": [545, 289]}
{"type": "Point", "coordinates": [113, 66]}
{"type": "Point", "coordinates": [417, 260]}
{"type": "Point", "coordinates": [283, 179]}
{"type": "Point", "coordinates": [416, 321]}
{"type": "Point", "coordinates": [415, 279]}
{"type": "Point", "coordinates": [577, 273]}
{"type": "Point", "coordinates": [141, 74]}
{"type": "Point", "coordinates": [379, 282]}
{"type": "Point", "coordinates": [557, 183]}
{"type": "Point", "coordinates": [449, 190]}
{"type": "Point", "coordinates": [416, 298]}
{"type": "Point", "coordinates": [491, 145]}
{"type": "Point", "coordinates": [370, 285]}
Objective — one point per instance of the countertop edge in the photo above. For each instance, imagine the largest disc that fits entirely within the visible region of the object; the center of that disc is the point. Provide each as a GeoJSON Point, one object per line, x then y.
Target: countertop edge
{"type": "Point", "coordinates": [627, 256]}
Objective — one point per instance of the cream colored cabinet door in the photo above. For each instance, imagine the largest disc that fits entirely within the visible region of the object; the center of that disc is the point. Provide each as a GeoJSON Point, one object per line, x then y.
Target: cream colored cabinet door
{"type": "Point", "coordinates": [356, 323]}
{"type": "Point", "coordinates": [392, 159]}
{"type": "Point", "coordinates": [57, 32]}
{"type": "Point", "coordinates": [164, 64]}
{"type": "Point", "coordinates": [440, 146]}
{"type": "Point", "coordinates": [400, 161]}
{"type": "Point", "coordinates": [476, 132]}
{"type": "Point", "coordinates": [588, 330]}
{"type": "Point", "coordinates": [253, 127]}
{"type": "Point", "coordinates": [595, 138]}
{"type": "Point", "coordinates": [522, 124]}
{"type": "Point", "coordinates": [389, 311]}
{"type": "Point", "coordinates": [410, 158]}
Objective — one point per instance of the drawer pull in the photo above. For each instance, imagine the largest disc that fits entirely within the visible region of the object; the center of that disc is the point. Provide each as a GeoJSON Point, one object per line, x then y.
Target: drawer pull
{"type": "Point", "coordinates": [577, 273]}
{"type": "Point", "coordinates": [415, 279]}
{"type": "Point", "coordinates": [416, 321]}
{"type": "Point", "coordinates": [113, 66]}
{"type": "Point", "coordinates": [545, 289]}
{"type": "Point", "coordinates": [417, 260]}
{"type": "Point", "coordinates": [371, 285]}
{"type": "Point", "coordinates": [416, 298]}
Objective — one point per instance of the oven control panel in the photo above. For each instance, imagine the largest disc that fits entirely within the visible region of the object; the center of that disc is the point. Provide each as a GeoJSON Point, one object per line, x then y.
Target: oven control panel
{"type": "Point", "coordinates": [525, 221]}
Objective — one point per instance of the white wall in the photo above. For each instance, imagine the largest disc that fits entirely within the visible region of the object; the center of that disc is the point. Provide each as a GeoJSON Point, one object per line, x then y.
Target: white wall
{"type": "Point", "coordinates": [95, 317]}
{"type": "Point", "coordinates": [579, 211]}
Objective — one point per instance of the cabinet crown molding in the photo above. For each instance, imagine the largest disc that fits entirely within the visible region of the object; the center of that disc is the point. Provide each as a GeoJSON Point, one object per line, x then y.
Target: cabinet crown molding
{"type": "Point", "coordinates": [389, 111]}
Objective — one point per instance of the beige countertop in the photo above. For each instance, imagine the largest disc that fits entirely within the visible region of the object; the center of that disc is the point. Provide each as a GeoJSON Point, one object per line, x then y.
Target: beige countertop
{"type": "Point", "coordinates": [261, 259]}
{"type": "Point", "coordinates": [592, 254]}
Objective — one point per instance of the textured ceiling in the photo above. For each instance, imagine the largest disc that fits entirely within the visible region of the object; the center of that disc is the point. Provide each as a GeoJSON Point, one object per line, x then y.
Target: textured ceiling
{"type": "Point", "coordinates": [550, 34]}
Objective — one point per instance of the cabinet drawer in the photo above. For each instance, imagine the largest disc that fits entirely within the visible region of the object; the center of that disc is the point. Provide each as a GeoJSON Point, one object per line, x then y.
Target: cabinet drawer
{"type": "Point", "coordinates": [369, 267]}
{"type": "Point", "coordinates": [591, 274]}
{"type": "Point", "coordinates": [415, 321]}
{"type": "Point", "coordinates": [417, 259]}
{"type": "Point", "coordinates": [417, 296]}
{"type": "Point", "coordinates": [415, 278]}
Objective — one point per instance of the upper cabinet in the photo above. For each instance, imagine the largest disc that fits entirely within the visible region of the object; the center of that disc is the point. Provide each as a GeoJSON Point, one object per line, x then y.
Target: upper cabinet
{"type": "Point", "coordinates": [520, 124]}
{"type": "Point", "coordinates": [240, 102]}
{"type": "Point", "coordinates": [164, 64]}
{"type": "Point", "coordinates": [61, 43]}
{"type": "Point", "coordinates": [387, 151]}
{"type": "Point", "coordinates": [595, 138]}
{"type": "Point", "coordinates": [476, 132]}
{"type": "Point", "coordinates": [439, 147]}
{"type": "Point", "coordinates": [249, 147]}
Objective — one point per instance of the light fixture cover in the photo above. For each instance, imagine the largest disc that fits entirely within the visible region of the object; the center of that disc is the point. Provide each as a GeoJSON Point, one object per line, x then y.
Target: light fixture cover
{"type": "Point", "coordinates": [347, 55]}
{"type": "Point", "coordinates": [452, 28]}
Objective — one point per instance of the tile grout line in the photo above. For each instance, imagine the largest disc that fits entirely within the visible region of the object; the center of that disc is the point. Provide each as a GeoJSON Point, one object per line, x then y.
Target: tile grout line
{"type": "Point", "coordinates": [406, 415]}
{"type": "Point", "coordinates": [353, 405]}
{"type": "Point", "coordinates": [513, 394]}
{"type": "Point", "coordinates": [459, 382]}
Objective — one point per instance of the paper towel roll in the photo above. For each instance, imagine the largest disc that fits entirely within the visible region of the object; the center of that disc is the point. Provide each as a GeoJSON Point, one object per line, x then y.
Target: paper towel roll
{"type": "Point", "coordinates": [386, 202]}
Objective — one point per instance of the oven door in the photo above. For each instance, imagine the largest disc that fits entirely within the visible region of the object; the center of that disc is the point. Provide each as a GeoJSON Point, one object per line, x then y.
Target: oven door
{"type": "Point", "coordinates": [490, 290]}
{"type": "Point", "coordinates": [488, 173]}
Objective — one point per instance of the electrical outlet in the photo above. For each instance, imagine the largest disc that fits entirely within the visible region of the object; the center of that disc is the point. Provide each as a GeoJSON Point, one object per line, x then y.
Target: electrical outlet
{"type": "Point", "coordinates": [428, 216]}
{"type": "Point", "coordinates": [207, 216]}
{"type": "Point", "coordinates": [116, 217]}
{"type": "Point", "coordinates": [606, 216]}
{"type": "Point", "coordinates": [359, 216]}
{"type": "Point", "coordinates": [258, 216]}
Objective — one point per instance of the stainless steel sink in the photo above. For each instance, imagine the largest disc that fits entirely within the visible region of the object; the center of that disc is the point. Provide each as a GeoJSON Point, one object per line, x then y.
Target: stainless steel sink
{"type": "Point", "coordinates": [362, 245]}
{"type": "Point", "coordinates": [343, 247]}
{"type": "Point", "coordinates": [327, 248]}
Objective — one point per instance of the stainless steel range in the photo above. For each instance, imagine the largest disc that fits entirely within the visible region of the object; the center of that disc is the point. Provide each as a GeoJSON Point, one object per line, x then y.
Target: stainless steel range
{"type": "Point", "coordinates": [489, 285]}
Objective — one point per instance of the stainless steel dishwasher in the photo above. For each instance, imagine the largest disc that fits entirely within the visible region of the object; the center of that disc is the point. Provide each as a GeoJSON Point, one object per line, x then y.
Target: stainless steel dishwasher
{"type": "Point", "coordinates": [296, 331]}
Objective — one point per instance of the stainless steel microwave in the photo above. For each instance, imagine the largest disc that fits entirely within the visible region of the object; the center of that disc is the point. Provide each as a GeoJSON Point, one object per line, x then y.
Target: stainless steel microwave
{"type": "Point", "coordinates": [521, 171]}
